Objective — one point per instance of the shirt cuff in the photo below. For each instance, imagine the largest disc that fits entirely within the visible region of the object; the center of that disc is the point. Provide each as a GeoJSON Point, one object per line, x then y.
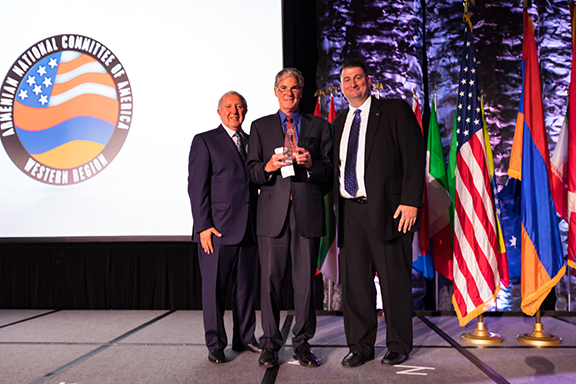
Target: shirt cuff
{"type": "Point", "coordinates": [267, 175]}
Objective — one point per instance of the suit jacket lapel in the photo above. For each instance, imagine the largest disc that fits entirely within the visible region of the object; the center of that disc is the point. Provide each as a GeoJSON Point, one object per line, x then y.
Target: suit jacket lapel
{"type": "Point", "coordinates": [372, 127]}
{"type": "Point", "coordinates": [305, 128]}
{"type": "Point", "coordinates": [230, 146]}
{"type": "Point", "coordinates": [278, 133]}
{"type": "Point", "coordinates": [338, 129]}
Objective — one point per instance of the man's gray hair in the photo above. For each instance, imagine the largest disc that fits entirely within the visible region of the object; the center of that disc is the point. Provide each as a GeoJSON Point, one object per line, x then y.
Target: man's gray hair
{"type": "Point", "coordinates": [289, 72]}
{"type": "Point", "coordinates": [232, 93]}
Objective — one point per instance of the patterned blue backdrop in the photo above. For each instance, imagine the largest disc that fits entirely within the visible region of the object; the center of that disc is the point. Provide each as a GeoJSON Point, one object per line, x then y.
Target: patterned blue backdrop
{"type": "Point", "coordinates": [415, 45]}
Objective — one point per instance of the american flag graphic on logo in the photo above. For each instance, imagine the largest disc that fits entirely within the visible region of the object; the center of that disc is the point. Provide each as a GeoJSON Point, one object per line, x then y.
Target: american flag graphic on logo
{"type": "Point", "coordinates": [66, 110]}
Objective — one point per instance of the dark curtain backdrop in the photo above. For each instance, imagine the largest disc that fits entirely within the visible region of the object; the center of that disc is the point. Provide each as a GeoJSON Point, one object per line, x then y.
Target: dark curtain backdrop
{"type": "Point", "coordinates": [151, 275]}
{"type": "Point", "coordinates": [100, 276]}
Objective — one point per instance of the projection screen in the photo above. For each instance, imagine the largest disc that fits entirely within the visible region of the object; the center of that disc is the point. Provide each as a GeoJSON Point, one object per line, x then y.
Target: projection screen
{"type": "Point", "coordinates": [100, 101]}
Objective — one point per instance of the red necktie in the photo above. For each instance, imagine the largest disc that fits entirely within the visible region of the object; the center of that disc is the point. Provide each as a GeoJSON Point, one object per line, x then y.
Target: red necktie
{"type": "Point", "coordinates": [290, 140]}
{"type": "Point", "coordinates": [290, 136]}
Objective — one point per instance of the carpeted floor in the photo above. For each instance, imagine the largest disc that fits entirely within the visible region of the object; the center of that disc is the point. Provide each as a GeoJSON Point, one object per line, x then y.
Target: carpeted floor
{"type": "Point", "coordinates": [92, 347]}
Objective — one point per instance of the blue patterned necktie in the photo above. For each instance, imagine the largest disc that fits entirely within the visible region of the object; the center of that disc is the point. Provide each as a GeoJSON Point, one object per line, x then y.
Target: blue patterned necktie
{"type": "Point", "coordinates": [350, 178]}
{"type": "Point", "coordinates": [240, 146]}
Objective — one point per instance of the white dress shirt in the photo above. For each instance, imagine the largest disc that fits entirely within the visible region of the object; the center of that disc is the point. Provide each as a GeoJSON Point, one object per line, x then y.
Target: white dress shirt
{"type": "Point", "coordinates": [231, 132]}
{"type": "Point", "coordinates": [361, 155]}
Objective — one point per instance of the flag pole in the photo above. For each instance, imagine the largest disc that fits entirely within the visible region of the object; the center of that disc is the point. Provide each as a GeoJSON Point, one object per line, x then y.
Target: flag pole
{"type": "Point", "coordinates": [570, 272]}
{"type": "Point", "coordinates": [329, 294]}
{"type": "Point", "coordinates": [481, 335]}
{"type": "Point", "coordinates": [377, 87]}
{"type": "Point", "coordinates": [539, 338]}
{"type": "Point", "coordinates": [436, 288]}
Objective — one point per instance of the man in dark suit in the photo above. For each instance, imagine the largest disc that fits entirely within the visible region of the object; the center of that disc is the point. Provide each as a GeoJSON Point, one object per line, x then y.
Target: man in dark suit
{"type": "Point", "coordinates": [290, 213]}
{"type": "Point", "coordinates": [223, 208]}
{"type": "Point", "coordinates": [379, 178]}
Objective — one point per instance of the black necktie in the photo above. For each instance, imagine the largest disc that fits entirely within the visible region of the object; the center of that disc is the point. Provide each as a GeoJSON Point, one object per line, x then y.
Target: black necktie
{"type": "Point", "coordinates": [240, 146]}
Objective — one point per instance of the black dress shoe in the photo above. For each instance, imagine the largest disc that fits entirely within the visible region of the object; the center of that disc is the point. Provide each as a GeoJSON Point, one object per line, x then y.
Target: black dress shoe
{"type": "Point", "coordinates": [393, 358]}
{"type": "Point", "coordinates": [252, 347]}
{"type": "Point", "coordinates": [216, 356]}
{"type": "Point", "coordinates": [303, 353]}
{"type": "Point", "coordinates": [268, 358]}
{"type": "Point", "coordinates": [355, 359]}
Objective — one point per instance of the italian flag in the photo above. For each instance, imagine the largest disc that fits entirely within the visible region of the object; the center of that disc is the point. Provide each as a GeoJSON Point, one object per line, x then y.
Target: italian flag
{"type": "Point", "coordinates": [438, 199]}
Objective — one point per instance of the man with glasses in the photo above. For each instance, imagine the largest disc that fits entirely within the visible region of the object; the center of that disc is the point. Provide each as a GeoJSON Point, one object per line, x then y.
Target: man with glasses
{"type": "Point", "coordinates": [290, 158]}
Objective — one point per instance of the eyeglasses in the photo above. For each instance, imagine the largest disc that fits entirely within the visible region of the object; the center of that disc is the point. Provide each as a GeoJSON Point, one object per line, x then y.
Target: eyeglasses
{"type": "Point", "coordinates": [284, 89]}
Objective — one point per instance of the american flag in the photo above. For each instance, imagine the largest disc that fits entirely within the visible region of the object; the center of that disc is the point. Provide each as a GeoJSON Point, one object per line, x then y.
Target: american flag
{"type": "Point", "coordinates": [476, 276]}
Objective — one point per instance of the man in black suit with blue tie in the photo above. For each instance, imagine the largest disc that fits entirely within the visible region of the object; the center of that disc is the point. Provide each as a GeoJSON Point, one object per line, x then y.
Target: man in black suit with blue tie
{"type": "Point", "coordinates": [223, 204]}
{"type": "Point", "coordinates": [290, 212]}
{"type": "Point", "coordinates": [379, 166]}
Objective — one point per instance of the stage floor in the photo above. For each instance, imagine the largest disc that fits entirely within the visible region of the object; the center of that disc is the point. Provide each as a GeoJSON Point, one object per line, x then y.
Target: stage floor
{"type": "Point", "coordinates": [90, 347]}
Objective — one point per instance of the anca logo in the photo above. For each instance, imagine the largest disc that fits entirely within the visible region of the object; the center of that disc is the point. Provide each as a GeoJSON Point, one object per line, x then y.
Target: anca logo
{"type": "Point", "coordinates": [65, 109]}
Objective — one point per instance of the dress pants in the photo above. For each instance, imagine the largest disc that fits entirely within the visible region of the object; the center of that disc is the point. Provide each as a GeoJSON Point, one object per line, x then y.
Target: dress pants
{"type": "Point", "coordinates": [276, 254]}
{"type": "Point", "coordinates": [361, 256]}
{"type": "Point", "coordinates": [239, 262]}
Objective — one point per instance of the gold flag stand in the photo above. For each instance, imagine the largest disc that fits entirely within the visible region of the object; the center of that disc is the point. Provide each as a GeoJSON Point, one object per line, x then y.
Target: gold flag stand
{"type": "Point", "coordinates": [538, 337]}
{"type": "Point", "coordinates": [481, 336]}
